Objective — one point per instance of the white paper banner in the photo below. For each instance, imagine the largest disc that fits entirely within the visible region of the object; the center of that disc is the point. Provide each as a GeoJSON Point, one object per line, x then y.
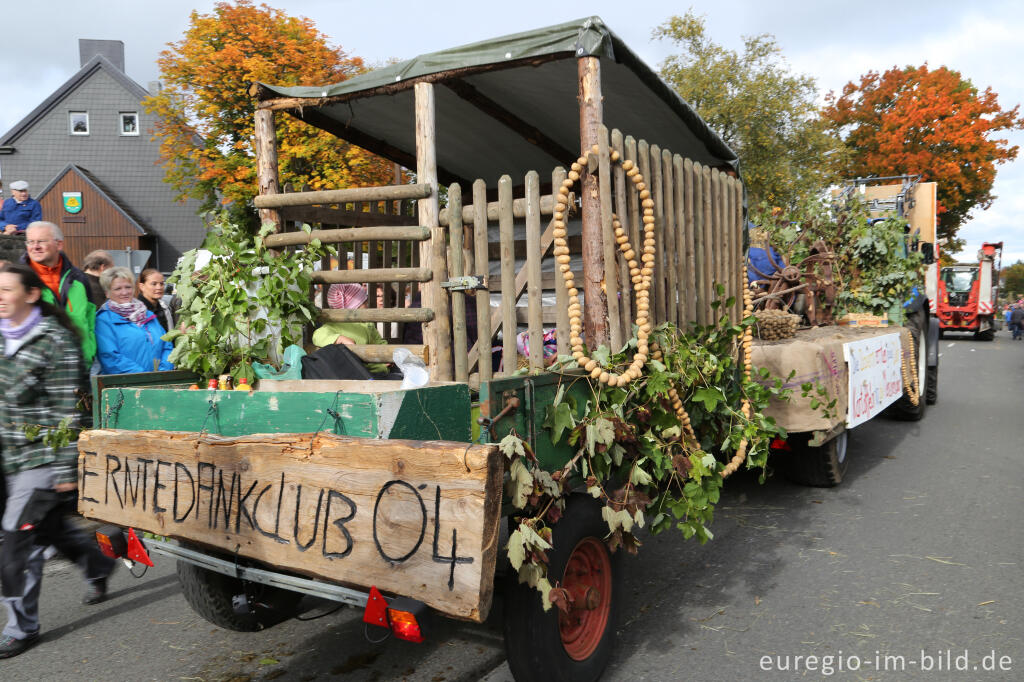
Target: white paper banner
{"type": "Point", "coordinates": [875, 377]}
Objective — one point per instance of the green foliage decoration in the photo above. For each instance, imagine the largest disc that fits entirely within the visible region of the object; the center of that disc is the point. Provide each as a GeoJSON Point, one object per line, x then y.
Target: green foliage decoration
{"type": "Point", "coordinates": [876, 267]}
{"type": "Point", "coordinates": [632, 452]}
{"type": "Point", "coordinates": [246, 305]}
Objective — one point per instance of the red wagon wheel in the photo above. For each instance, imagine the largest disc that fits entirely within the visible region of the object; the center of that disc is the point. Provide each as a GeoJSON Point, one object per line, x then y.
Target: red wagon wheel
{"type": "Point", "coordinates": [588, 579]}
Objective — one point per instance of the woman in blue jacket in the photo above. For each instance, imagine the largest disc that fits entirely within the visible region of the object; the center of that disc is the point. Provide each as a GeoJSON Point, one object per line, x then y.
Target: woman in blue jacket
{"type": "Point", "coordinates": [127, 333]}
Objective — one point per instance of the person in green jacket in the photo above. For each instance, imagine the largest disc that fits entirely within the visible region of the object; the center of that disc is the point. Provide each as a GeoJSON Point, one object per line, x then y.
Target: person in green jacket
{"type": "Point", "coordinates": [351, 333]}
{"type": "Point", "coordinates": [65, 285]}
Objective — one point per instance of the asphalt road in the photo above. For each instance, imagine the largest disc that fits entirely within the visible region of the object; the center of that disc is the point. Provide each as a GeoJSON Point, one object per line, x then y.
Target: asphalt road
{"type": "Point", "coordinates": [921, 549]}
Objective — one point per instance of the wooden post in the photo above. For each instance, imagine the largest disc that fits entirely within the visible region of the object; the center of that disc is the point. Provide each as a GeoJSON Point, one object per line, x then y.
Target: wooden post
{"type": "Point", "coordinates": [611, 275]}
{"type": "Point", "coordinates": [436, 333]}
{"type": "Point", "coordinates": [461, 352]}
{"type": "Point", "coordinates": [266, 163]}
{"type": "Point", "coordinates": [625, 286]}
{"type": "Point", "coordinates": [482, 266]}
{"type": "Point", "coordinates": [595, 304]}
{"type": "Point", "coordinates": [509, 294]}
{"type": "Point", "coordinates": [534, 290]}
{"type": "Point", "coordinates": [561, 293]}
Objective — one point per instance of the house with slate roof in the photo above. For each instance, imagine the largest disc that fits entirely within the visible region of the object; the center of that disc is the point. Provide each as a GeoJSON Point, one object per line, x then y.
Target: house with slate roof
{"type": "Point", "coordinates": [88, 158]}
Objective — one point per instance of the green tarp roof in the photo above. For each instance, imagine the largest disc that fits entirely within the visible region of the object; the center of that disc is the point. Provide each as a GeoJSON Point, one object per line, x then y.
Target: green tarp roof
{"type": "Point", "coordinates": [507, 105]}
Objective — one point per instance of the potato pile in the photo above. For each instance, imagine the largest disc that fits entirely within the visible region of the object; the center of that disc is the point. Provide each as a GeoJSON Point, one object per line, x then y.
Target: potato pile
{"type": "Point", "coordinates": [775, 324]}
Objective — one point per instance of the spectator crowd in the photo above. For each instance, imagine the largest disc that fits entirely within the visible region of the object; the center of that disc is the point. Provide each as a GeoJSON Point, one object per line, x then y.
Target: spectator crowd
{"type": "Point", "coordinates": [59, 323]}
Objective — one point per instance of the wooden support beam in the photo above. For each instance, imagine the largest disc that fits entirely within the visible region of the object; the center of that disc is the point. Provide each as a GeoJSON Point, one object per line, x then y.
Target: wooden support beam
{"type": "Point", "coordinates": [383, 352]}
{"type": "Point", "coordinates": [337, 196]}
{"type": "Point", "coordinates": [378, 315]}
{"type": "Point", "coordinates": [547, 204]}
{"type": "Point", "coordinates": [364, 276]}
{"type": "Point", "coordinates": [595, 303]}
{"type": "Point", "coordinates": [482, 266]}
{"type": "Point", "coordinates": [436, 332]}
{"type": "Point", "coordinates": [325, 215]}
{"type": "Point", "coordinates": [350, 234]}
{"type": "Point", "coordinates": [266, 164]}
{"type": "Point", "coordinates": [528, 132]}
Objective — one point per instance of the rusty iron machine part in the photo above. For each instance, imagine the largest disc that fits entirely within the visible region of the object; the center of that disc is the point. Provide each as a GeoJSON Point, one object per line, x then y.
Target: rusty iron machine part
{"type": "Point", "coordinates": [808, 288]}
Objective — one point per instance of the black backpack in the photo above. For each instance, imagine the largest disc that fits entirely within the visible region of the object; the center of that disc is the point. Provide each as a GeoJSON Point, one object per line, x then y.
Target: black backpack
{"type": "Point", "coordinates": [335, 361]}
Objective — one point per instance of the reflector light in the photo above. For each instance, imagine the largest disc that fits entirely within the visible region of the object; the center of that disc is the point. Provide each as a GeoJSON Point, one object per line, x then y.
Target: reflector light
{"type": "Point", "coordinates": [136, 550]}
{"type": "Point", "coordinates": [376, 611]}
{"type": "Point", "coordinates": [111, 541]}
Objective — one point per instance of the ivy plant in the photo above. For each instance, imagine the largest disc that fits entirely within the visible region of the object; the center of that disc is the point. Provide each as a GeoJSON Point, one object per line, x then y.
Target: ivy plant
{"type": "Point", "coordinates": [245, 305]}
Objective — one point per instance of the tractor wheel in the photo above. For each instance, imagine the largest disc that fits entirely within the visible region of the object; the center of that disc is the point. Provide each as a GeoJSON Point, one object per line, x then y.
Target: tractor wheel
{"type": "Point", "coordinates": [821, 467]}
{"type": "Point", "coordinates": [211, 595]}
{"type": "Point", "coordinates": [543, 646]}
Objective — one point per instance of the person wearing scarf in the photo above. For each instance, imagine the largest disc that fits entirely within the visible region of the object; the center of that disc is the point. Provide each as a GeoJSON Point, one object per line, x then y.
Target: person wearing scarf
{"type": "Point", "coordinates": [349, 296]}
{"type": "Point", "coordinates": [128, 335]}
{"type": "Point", "coordinates": [151, 292]}
{"type": "Point", "coordinates": [41, 372]}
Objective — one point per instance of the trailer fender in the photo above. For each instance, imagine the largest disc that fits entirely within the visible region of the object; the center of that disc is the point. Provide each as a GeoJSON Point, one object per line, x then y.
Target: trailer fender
{"type": "Point", "coordinates": [933, 341]}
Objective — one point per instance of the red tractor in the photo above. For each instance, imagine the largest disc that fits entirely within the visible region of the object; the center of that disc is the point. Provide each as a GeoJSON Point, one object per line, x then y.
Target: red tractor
{"type": "Point", "coordinates": [968, 293]}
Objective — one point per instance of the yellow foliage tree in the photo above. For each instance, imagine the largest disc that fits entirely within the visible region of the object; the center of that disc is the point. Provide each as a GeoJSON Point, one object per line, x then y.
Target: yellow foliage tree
{"type": "Point", "coordinates": [205, 112]}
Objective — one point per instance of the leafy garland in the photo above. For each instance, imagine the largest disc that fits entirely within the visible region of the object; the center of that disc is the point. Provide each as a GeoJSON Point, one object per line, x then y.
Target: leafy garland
{"type": "Point", "coordinates": [246, 305]}
{"type": "Point", "coordinates": [632, 452]}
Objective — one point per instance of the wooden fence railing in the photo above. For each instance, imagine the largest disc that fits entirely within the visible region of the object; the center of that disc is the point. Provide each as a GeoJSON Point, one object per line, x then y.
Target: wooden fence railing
{"type": "Point", "coordinates": [698, 240]}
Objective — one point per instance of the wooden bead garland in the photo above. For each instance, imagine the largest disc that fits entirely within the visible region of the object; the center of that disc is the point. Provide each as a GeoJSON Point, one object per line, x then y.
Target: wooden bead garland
{"type": "Point", "coordinates": [640, 273]}
{"type": "Point", "coordinates": [913, 388]}
{"type": "Point", "coordinates": [748, 343]}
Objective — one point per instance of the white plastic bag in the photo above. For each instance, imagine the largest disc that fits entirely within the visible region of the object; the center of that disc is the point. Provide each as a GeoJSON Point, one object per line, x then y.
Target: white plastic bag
{"type": "Point", "coordinates": [414, 372]}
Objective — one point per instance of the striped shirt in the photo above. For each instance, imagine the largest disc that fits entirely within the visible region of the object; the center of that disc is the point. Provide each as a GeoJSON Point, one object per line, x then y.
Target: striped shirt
{"type": "Point", "coordinates": [40, 384]}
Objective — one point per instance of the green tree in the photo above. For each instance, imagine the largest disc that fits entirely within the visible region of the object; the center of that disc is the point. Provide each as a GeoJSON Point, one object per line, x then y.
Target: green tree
{"type": "Point", "coordinates": [205, 124]}
{"type": "Point", "coordinates": [762, 110]}
{"type": "Point", "coordinates": [1011, 279]}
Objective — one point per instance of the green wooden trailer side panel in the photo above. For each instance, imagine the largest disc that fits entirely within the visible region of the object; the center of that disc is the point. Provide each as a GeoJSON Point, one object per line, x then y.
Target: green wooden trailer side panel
{"type": "Point", "coordinates": [430, 413]}
{"type": "Point", "coordinates": [536, 394]}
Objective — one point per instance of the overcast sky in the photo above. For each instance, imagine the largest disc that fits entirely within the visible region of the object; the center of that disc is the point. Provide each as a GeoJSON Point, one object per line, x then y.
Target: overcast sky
{"type": "Point", "coordinates": [829, 40]}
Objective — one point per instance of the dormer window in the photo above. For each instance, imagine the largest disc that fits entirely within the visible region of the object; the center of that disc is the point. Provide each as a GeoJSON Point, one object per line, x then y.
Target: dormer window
{"type": "Point", "coordinates": [129, 123]}
{"type": "Point", "coordinates": [79, 122]}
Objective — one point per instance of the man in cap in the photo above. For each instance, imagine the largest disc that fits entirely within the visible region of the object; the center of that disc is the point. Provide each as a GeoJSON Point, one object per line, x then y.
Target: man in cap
{"type": "Point", "coordinates": [20, 210]}
{"type": "Point", "coordinates": [66, 285]}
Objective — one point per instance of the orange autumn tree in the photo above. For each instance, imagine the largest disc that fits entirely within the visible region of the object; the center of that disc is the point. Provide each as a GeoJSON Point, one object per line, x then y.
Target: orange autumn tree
{"type": "Point", "coordinates": [931, 122]}
{"type": "Point", "coordinates": [205, 112]}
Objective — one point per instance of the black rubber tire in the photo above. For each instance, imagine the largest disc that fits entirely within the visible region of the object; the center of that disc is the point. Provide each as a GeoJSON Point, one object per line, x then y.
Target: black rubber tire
{"type": "Point", "coordinates": [533, 644]}
{"type": "Point", "coordinates": [987, 335]}
{"type": "Point", "coordinates": [822, 467]}
{"type": "Point", "coordinates": [903, 409]}
{"type": "Point", "coordinates": [210, 596]}
{"type": "Point", "coordinates": [931, 395]}
{"type": "Point", "coordinates": [942, 334]}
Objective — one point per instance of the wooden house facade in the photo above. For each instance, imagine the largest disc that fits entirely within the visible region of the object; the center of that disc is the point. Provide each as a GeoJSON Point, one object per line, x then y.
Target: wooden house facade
{"type": "Point", "coordinates": [91, 216]}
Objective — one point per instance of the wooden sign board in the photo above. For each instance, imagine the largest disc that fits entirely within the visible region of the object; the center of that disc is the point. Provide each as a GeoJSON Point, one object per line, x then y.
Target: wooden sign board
{"type": "Point", "coordinates": [414, 518]}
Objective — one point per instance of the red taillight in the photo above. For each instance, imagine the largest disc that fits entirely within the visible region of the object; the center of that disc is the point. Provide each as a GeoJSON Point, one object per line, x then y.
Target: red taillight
{"type": "Point", "coordinates": [403, 616]}
{"type": "Point", "coordinates": [404, 625]}
{"type": "Point", "coordinates": [136, 550]}
{"type": "Point", "coordinates": [111, 541]}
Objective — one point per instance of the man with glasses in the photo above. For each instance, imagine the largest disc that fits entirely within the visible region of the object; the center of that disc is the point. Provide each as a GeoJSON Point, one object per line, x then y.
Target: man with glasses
{"type": "Point", "coordinates": [66, 285]}
{"type": "Point", "coordinates": [20, 210]}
